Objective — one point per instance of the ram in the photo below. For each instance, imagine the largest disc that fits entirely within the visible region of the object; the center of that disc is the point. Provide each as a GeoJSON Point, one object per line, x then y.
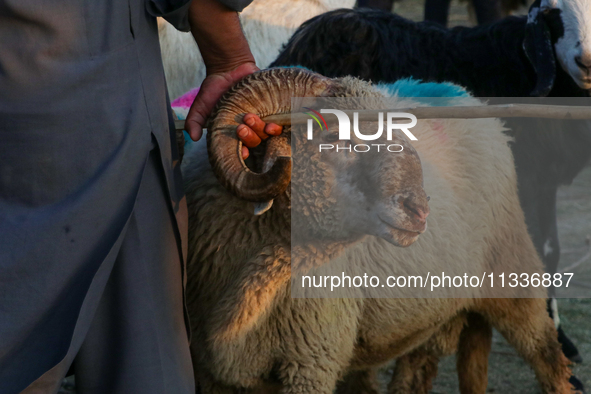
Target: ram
{"type": "Point", "coordinates": [547, 53]}
{"type": "Point", "coordinates": [250, 335]}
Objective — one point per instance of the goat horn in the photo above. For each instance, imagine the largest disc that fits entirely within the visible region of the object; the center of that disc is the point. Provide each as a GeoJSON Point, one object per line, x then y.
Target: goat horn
{"type": "Point", "coordinates": [264, 93]}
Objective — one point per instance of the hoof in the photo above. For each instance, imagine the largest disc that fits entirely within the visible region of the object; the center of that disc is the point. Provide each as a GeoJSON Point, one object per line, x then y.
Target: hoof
{"type": "Point", "coordinates": [577, 384]}
{"type": "Point", "coordinates": [568, 347]}
{"type": "Point", "coordinates": [576, 359]}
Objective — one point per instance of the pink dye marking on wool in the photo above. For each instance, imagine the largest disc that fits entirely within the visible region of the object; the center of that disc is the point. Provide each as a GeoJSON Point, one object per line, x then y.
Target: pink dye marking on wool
{"type": "Point", "coordinates": [186, 99]}
{"type": "Point", "coordinates": [438, 126]}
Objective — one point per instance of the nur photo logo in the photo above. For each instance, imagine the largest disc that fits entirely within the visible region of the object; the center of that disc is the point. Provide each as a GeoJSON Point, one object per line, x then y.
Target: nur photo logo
{"type": "Point", "coordinates": [344, 127]}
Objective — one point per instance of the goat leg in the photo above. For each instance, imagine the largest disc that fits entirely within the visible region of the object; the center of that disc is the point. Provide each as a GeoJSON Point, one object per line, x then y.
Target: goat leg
{"type": "Point", "coordinates": [414, 372]}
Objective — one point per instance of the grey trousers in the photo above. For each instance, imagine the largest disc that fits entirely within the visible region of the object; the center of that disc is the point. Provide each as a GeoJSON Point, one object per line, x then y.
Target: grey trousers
{"type": "Point", "coordinates": [137, 341]}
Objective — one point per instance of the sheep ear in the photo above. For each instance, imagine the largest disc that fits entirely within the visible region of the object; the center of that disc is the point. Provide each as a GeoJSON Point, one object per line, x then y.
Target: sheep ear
{"type": "Point", "coordinates": [262, 207]}
{"type": "Point", "coordinates": [537, 45]}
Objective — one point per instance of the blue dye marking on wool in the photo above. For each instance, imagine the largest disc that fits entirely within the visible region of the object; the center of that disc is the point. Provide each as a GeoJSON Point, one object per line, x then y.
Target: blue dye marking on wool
{"type": "Point", "coordinates": [414, 88]}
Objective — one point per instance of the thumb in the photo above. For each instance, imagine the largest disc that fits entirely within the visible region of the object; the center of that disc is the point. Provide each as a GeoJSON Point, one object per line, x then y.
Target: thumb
{"type": "Point", "coordinates": [196, 118]}
{"type": "Point", "coordinates": [213, 87]}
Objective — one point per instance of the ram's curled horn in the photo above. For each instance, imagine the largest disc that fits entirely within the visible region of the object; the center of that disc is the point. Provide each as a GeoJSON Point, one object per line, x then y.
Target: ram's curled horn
{"type": "Point", "coordinates": [264, 93]}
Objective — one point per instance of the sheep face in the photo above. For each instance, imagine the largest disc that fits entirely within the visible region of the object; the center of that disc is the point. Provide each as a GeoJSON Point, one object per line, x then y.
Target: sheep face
{"type": "Point", "coordinates": [570, 26]}
{"type": "Point", "coordinates": [342, 195]}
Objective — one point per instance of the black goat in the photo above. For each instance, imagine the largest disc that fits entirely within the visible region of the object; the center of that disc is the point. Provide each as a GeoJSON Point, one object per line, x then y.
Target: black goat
{"type": "Point", "coordinates": [489, 61]}
{"type": "Point", "coordinates": [514, 57]}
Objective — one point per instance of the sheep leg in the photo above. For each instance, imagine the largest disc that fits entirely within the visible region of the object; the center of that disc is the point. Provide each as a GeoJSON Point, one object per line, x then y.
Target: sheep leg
{"type": "Point", "coordinates": [312, 379]}
{"type": "Point", "coordinates": [414, 372]}
{"type": "Point", "coordinates": [525, 323]}
{"type": "Point", "coordinates": [472, 357]}
{"type": "Point", "coordinates": [487, 11]}
{"type": "Point", "coordinates": [319, 343]}
{"type": "Point", "coordinates": [359, 382]}
{"type": "Point", "coordinates": [437, 11]}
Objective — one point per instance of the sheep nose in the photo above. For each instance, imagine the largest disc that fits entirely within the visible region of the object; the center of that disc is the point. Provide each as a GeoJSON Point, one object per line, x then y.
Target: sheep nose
{"type": "Point", "coordinates": [584, 64]}
{"type": "Point", "coordinates": [419, 210]}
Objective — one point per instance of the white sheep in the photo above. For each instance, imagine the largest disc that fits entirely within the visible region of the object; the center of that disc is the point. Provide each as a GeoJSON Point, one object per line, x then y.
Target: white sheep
{"type": "Point", "coordinates": [250, 335]}
{"type": "Point", "coordinates": [267, 25]}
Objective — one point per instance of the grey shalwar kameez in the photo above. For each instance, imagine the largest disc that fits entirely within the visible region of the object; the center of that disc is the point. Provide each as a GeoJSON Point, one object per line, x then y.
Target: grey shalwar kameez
{"type": "Point", "coordinates": [92, 214]}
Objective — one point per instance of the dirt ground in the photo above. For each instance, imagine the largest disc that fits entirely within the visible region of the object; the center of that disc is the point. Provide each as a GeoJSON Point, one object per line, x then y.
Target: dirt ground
{"type": "Point", "coordinates": [508, 373]}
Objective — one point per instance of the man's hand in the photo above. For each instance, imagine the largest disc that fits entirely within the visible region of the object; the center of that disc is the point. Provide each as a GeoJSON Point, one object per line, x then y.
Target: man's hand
{"type": "Point", "coordinates": [228, 59]}
{"type": "Point", "coordinates": [251, 132]}
{"type": "Point", "coordinates": [210, 92]}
